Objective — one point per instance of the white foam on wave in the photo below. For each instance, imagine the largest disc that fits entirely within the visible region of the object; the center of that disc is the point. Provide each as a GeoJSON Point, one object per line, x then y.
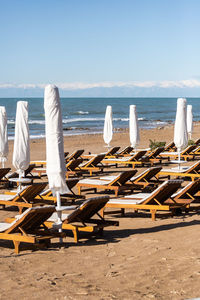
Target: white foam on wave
{"type": "Point", "coordinates": [80, 112]}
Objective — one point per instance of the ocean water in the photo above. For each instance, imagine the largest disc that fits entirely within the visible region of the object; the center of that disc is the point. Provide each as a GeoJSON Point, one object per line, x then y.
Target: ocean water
{"type": "Point", "coordinates": [86, 115]}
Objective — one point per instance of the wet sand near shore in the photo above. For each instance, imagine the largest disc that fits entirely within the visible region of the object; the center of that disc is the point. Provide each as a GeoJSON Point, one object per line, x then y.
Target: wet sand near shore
{"type": "Point", "coordinates": [140, 259]}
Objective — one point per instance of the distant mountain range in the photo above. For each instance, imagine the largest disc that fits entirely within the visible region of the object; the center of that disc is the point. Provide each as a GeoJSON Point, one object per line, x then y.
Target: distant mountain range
{"type": "Point", "coordinates": [105, 92]}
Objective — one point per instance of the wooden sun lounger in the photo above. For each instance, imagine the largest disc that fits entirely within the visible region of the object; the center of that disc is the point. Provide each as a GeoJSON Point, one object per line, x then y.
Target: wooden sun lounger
{"type": "Point", "coordinates": [72, 166]}
{"type": "Point", "coordinates": [142, 180]}
{"type": "Point", "coordinates": [82, 218]}
{"type": "Point", "coordinates": [3, 173]}
{"type": "Point", "coordinates": [93, 165]}
{"type": "Point", "coordinates": [186, 154]}
{"type": "Point", "coordinates": [192, 172]}
{"type": "Point", "coordinates": [23, 199]}
{"type": "Point", "coordinates": [132, 160]}
{"type": "Point", "coordinates": [153, 157]}
{"type": "Point", "coordinates": [118, 184]}
{"type": "Point", "coordinates": [46, 195]}
{"type": "Point", "coordinates": [153, 202]}
{"type": "Point", "coordinates": [188, 194]}
{"type": "Point", "coordinates": [29, 228]}
{"type": "Point", "coordinates": [109, 153]}
{"type": "Point", "coordinates": [170, 147]}
{"type": "Point", "coordinates": [74, 155]}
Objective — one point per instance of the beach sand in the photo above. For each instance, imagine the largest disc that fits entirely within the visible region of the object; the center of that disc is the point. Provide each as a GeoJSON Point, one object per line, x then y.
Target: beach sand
{"type": "Point", "coordinates": [140, 259]}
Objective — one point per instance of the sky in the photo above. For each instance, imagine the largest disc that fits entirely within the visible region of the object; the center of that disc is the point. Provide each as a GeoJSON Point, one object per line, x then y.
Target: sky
{"type": "Point", "coordinates": [89, 44]}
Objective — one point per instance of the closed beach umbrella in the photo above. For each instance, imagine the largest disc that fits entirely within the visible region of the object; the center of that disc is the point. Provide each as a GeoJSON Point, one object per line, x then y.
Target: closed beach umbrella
{"type": "Point", "coordinates": [180, 126]}
{"type": "Point", "coordinates": [21, 151]}
{"type": "Point", "coordinates": [189, 121]}
{"type": "Point", "coordinates": [133, 127]}
{"type": "Point", "coordinates": [108, 127]}
{"type": "Point", "coordinates": [3, 136]}
{"type": "Point", "coordinates": [55, 161]}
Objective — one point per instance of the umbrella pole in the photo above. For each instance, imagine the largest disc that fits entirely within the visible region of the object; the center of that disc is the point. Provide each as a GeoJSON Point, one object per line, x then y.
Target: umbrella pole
{"type": "Point", "coordinates": [179, 159]}
{"type": "Point", "coordinates": [59, 212]}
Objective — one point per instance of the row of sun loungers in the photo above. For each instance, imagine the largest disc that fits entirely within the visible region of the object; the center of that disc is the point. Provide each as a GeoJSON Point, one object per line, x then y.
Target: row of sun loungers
{"type": "Point", "coordinates": [145, 191]}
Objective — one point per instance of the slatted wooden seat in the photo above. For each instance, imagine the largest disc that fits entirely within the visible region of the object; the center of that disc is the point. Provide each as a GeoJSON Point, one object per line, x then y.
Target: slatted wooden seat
{"type": "Point", "coordinates": [82, 218]}
{"type": "Point", "coordinates": [152, 202]}
{"type": "Point", "coordinates": [109, 153]}
{"type": "Point", "coordinates": [192, 172]}
{"type": "Point", "coordinates": [143, 179]}
{"type": "Point", "coordinates": [24, 198]}
{"type": "Point", "coordinates": [186, 154]}
{"type": "Point", "coordinates": [74, 155]}
{"type": "Point", "coordinates": [93, 165]}
{"type": "Point", "coordinates": [3, 173]}
{"type": "Point", "coordinates": [29, 228]}
{"type": "Point", "coordinates": [132, 160]}
{"type": "Point", "coordinates": [118, 184]}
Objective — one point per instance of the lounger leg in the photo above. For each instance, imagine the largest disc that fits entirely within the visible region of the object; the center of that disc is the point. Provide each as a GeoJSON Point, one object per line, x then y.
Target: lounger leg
{"type": "Point", "coordinates": [90, 172]}
{"type": "Point", "coordinates": [16, 245]}
{"type": "Point", "coordinates": [79, 190]}
{"type": "Point", "coordinates": [153, 214]}
{"type": "Point", "coordinates": [75, 233]}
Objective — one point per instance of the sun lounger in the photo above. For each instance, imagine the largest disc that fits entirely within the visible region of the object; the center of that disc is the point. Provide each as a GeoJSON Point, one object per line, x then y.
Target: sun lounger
{"type": "Point", "coordinates": [170, 147]}
{"type": "Point", "coordinates": [24, 198]}
{"type": "Point", "coordinates": [192, 172]}
{"type": "Point", "coordinates": [186, 154]}
{"type": "Point", "coordinates": [74, 155]}
{"type": "Point", "coordinates": [132, 160]}
{"type": "Point", "coordinates": [143, 179]}
{"type": "Point", "coordinates": [188, 194]}
{"type": "Point", "coordinates": [93, 165]}
{"type": "Point", "coordinates": [118, 184]}
{"type": "Point", "coordinates": [82, 218]}
{"type": "Point", "coordinates": [72, 166]}
{"type": "Point", "coordinates": [153, 157]}
{"type": "Point", "coordinates": [148, 201]}
{"type": "Point", "coordinates": [28, 228]}
{"type": "Point", "coordinates": [71, 183]}
{"type": "Point", "coordinates": [109, 153]}
{"type": "Point", "coordinates": [3, 173]}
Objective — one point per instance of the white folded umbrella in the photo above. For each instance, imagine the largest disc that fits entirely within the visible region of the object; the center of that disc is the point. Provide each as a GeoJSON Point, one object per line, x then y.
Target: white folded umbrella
{"type": "Point", "coordinates": [133, 127]}
{"type": "Point", "coordinates": [180, 126]}
{"type": "Point", "coordinates": [3, 136]}
{"type": "Point", "coordinates": [21, 151]}
{"type": "Point", "coordinates": [189, 121]}
{"type": "Point", "coordinates": [55, 161]}
{"type": "Point", "coordinates": [108, 127]}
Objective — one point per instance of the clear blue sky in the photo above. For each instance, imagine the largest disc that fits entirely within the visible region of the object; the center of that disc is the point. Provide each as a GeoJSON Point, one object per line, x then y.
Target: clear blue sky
{"type": "Point", "coordinates": [93, 41]}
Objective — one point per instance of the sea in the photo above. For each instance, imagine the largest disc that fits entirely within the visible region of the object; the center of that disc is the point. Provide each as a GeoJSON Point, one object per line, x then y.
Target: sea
{"type": "Point", "coordinates": [86, 115]}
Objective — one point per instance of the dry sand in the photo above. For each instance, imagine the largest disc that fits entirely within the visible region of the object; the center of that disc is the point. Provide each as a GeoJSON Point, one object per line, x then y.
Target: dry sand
{"type": "Point", "coordinates": [140, 259]}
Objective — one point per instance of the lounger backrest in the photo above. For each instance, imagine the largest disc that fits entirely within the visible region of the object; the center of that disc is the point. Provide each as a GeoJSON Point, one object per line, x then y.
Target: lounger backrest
{"type": "Point", "coordinates": [87, 210]}
{"type": "Point", "coordinates": [188, 149]}
{"type": "Point", "coordinates": [155, 152]}
{"type": "Point", "coordinates": [163, 192]}
{"type": "Point", "coordinates": [126, 150]}
{"type": "Point", "coordinates": [148, 174]}
{"type": "Point", "coordinates": [191, 188]}
{"type": "Point", "coordinates": [138, 155]}
{"type": "Point", "coordinates": [122, 178]}
{"type": "Point", "coordinates": [197, 142]}
{"type": "Point", "coordinates": [29, 169]}
{"type": "Point", "coordinates": [194, 168]}
{"type": "Point", "coordinates": [75, 154]}
{"type": "Point", "coordinates": [66, 154]}
{"type": "Point", "coordinates": [93, 162]}
{"type": "Point", "coordinates": [112, 151]}
{"type": "Point", "coordinates": [31, 191]}
{"type": "Point", "coordinates": [3, 172]}
{"type": "Point", "coordinates": [169, 146]}
{"type": "Point", "coordinates": [71, 182]}
{"type": "Point", "coordinates": [73, 164]}
{"type": "Point", "coordinates": [31, 219]}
